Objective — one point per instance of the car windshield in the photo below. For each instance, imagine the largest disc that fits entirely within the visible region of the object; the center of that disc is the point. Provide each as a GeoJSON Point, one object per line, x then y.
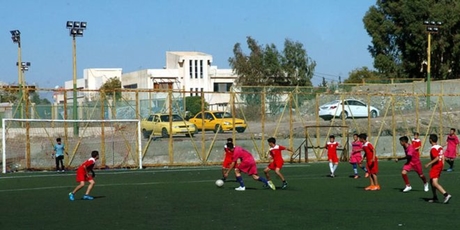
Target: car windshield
{"type": "Point", "coordinates": [165, 118]}
{"type": "Point", "coordinates": [222, 115]}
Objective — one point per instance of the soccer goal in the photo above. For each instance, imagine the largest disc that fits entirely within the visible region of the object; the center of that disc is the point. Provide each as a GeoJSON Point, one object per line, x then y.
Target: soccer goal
{"type": "Point", "coordinates": [28, 144]}
{"type": "Point", "coordinates": [316, 137]}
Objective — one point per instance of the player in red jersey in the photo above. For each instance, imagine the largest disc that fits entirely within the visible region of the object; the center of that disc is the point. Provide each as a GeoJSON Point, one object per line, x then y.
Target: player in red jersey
{"type": "Point", "coordinates": [276, 161]}
{"type": "Point", "coordinates": [83, 175]}
{"type": "Point", "coordinates": [356, 157]}
{"type": "Point", "coordinates": [437, 164]}
{"type": "Point", "coordinates": [413, 163]}
{"type": "Point", "coordinates": [247, 165]}
{"type": "Point", "coordinates": [451, 149]}
{"type": "Point", "coordinates": [331, 147]}
{"type": "Point", "coordinates": [228, 159]}
{"type": "Point", "coordinates": [372, 162]}
{"type": "Point", "coordinates": [417, 143]}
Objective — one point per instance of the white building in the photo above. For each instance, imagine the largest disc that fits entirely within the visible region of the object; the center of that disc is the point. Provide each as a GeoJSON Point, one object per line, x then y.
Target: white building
{"type": "Point", "coordinates": [92, 79]}
{"type": "Point", "coordinates": [186, 73]}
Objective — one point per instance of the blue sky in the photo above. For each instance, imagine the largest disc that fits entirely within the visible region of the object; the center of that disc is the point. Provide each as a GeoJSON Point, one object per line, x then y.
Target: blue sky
{"type": "Point", "coordinates": [136, 34]}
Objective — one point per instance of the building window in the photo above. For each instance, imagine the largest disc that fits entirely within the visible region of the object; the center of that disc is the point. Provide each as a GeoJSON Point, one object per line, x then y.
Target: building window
{"type": "Point", "coordinates": [222, 87]}
{"type": "Point", "coordinates": [132, 86]}
{"type": "Point", "coordinates": [201, 68]}
{"type": "Point", "coordinates": [196, 68]}
{"type": "Point", "coordinates": [190, 63]}
{"type": "Point", "coordinates": [191, 92]}
{"type": "Point", "coordinates": [163, 85]}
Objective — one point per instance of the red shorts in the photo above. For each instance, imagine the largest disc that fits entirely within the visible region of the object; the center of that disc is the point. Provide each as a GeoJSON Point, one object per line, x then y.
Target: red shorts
{"type": "Point", "coordinates": [435, 172]}
{"type": "Point", "coordinates": [332, 157]}
{"type": "Point", "coordinates": [276, 163]}
{"type": "Point", "coordinates": [248, 168]}
{"type": "Point", "coordinates": [82, 176]}
{"type": "Point", "coordinates": [356, 158]}
{"type": "Point", "coordinates": [226, 164]}
{"type": "Point", "coordinates": [416, 167]}
{"type": "Point", "coordinates": [373, 167]}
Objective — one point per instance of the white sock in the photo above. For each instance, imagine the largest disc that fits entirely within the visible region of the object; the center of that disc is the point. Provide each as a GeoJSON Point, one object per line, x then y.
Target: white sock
{"type": "Point", "coordinates": [331, 167]}
{"type": "Point", "coordinates": [334, 168]}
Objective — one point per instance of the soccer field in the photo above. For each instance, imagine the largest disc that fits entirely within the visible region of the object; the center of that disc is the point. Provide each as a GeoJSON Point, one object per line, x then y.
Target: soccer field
{"type": "Point", "coordinates": [187, 198]}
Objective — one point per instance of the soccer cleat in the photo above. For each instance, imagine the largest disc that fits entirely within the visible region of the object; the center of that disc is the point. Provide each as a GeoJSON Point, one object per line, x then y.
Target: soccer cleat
{"type": "Point", "coordinates": [434, 200]}
{"type": "Point", "coordinates": [240, 188]}
{"type": "Point", "coordinates": [425, 187]}
{"type": "Point", "coordinates": [71, 197]}
{"type": "Point", "coordinates": [224, 179]}
{"type": "Point", "coordinates": [332, 175]}
{"type": "Point", "coordinates": [375, 188]}
{"type": "Point", "coordinates": [271, 185]}
{"type": "Point", "coordinates": [284, 186]}
{"type": "Point", "coordinates": [86, 197]}
{"type": "Point", "coordinates": [449, 170]}
{"type": "Point", "coordinates": [366, 175]}
{"type": "Point", "coordinates": [407, 189]}
{"type": "Point", "coordinates": [447, 198]}
{"type": "Point", "coordinates": [356, 177]}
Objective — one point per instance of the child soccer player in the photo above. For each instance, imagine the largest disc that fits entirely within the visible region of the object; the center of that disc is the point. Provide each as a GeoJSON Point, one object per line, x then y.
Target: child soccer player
{"type": "Point", "coordinates": [356, 157]}
{"type": "Point", "coordinates": [83, 175]}
{"type": "Point", "coordinates": [331, 147]}
{"type": "Point", "coordinates": [247, 165]}
{"type": "Point", "coordinates": [417, 143]}
{"type": "Point", "coordinates": [58, 154]}
{"type": "Point", "coordinates": [228, 159]}
{"type": "Point", "coordinates": [276, 162]}
{"type": "Point", "coordinates": [372, 162]}
{"type": "Point", "coordinates": [413, 163]}
{"type": "Point", "coordinates": [451, 149]}
{"type": "Point", "coordinates": [437, 164]}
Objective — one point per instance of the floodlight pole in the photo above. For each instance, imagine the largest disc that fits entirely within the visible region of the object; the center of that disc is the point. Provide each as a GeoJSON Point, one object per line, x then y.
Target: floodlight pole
{"type": "Point", "coordinates": [428, 73]}
{"type": "Point", "coordinates": [75, 101]}
{"type": "Point", "coordinates": [16, 37]}
{"type": "Point", "coordinates": [76, 29]}
{"type": "Point", "coordinates": [432, 27]}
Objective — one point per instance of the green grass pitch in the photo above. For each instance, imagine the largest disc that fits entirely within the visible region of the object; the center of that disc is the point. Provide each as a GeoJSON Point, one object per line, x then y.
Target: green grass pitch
{"type": "Point", "coordinates": [187, 198]}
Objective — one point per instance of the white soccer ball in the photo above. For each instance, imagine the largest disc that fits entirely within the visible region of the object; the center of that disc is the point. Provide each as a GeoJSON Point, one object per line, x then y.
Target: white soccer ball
{"type": "Point", "coordinates": [219, 183]}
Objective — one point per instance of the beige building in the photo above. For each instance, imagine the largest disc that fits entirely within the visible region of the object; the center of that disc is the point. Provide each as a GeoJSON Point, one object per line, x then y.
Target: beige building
{"type": "Point", "coordinates": [186, 73]}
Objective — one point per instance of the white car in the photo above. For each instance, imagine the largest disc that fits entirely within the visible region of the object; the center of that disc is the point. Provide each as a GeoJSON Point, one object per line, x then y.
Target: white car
{"type": "Point", "coordinates": [350, 108]}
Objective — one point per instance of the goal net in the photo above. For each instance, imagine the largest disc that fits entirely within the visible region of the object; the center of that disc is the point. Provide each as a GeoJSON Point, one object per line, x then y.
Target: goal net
{"type": "Point", "coordinates": [28, 144]}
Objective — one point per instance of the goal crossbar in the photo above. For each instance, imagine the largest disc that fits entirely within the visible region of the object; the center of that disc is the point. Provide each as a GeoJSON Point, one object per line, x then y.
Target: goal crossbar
{"type": "Point", "coordinates": [6, 120]}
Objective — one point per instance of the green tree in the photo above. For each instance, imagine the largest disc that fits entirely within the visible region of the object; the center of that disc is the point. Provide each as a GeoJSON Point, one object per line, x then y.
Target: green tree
{"type": "Point", "coordinates": [111, 88]}
{"type": "Point", "coordinates": [266, 68]}
{"type": "Point", "coordinates": [359, 75]}
{"type": "Point", "coordinates": [193, 105]}
{"type": "Point", "coordinates": [399, 38]}
{"type": "Point", "coordinates": [35, 98]}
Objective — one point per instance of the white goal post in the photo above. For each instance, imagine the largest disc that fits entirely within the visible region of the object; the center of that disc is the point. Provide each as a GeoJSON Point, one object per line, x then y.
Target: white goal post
{"type": "Point", "coordinates": [27, 144]}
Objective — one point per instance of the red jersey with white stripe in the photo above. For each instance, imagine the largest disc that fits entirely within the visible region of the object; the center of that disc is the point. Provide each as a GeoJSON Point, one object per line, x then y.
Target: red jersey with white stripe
{"type": "Point", "coordinates": [275, 152]}
{"type": "Point", "coordinates": [332, 147]}
{"type": "Point", "coordinates": [437, 152]}
{"type": "Point", "coordinates": [417, 143]}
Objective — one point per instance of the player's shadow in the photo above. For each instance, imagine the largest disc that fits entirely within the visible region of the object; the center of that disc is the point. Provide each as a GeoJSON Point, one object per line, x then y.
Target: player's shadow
{"type": "Point", "coordinates": [95, 197]}
{"type": "Point", "coordinates": [430, 200]}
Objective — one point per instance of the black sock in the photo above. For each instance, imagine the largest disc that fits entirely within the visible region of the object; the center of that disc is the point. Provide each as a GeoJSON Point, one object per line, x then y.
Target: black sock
{"type": "Point", "coordinates": [445, 194]}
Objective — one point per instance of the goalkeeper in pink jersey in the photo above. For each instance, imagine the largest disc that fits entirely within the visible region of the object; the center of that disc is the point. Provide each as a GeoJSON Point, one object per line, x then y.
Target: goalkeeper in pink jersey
{"type": "Point", "coordinates": [247, 165]}
{"type": "Point", "coordinates": [413, 163]}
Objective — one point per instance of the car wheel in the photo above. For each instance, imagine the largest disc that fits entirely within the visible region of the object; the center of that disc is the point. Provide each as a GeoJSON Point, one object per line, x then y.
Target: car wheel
{"type": "Point", "coordinates": [218, 129]}
{"type": "Point", "coordinates": [146, 133]}
{"type": "Point", "coordinates": [344, 115]}
{"type": "Point", "coordinates": [164, 132]}
{"type": "Point", "coordinates": [240, 130]}
{"type": "Point", "coordinates": [373, 114]}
